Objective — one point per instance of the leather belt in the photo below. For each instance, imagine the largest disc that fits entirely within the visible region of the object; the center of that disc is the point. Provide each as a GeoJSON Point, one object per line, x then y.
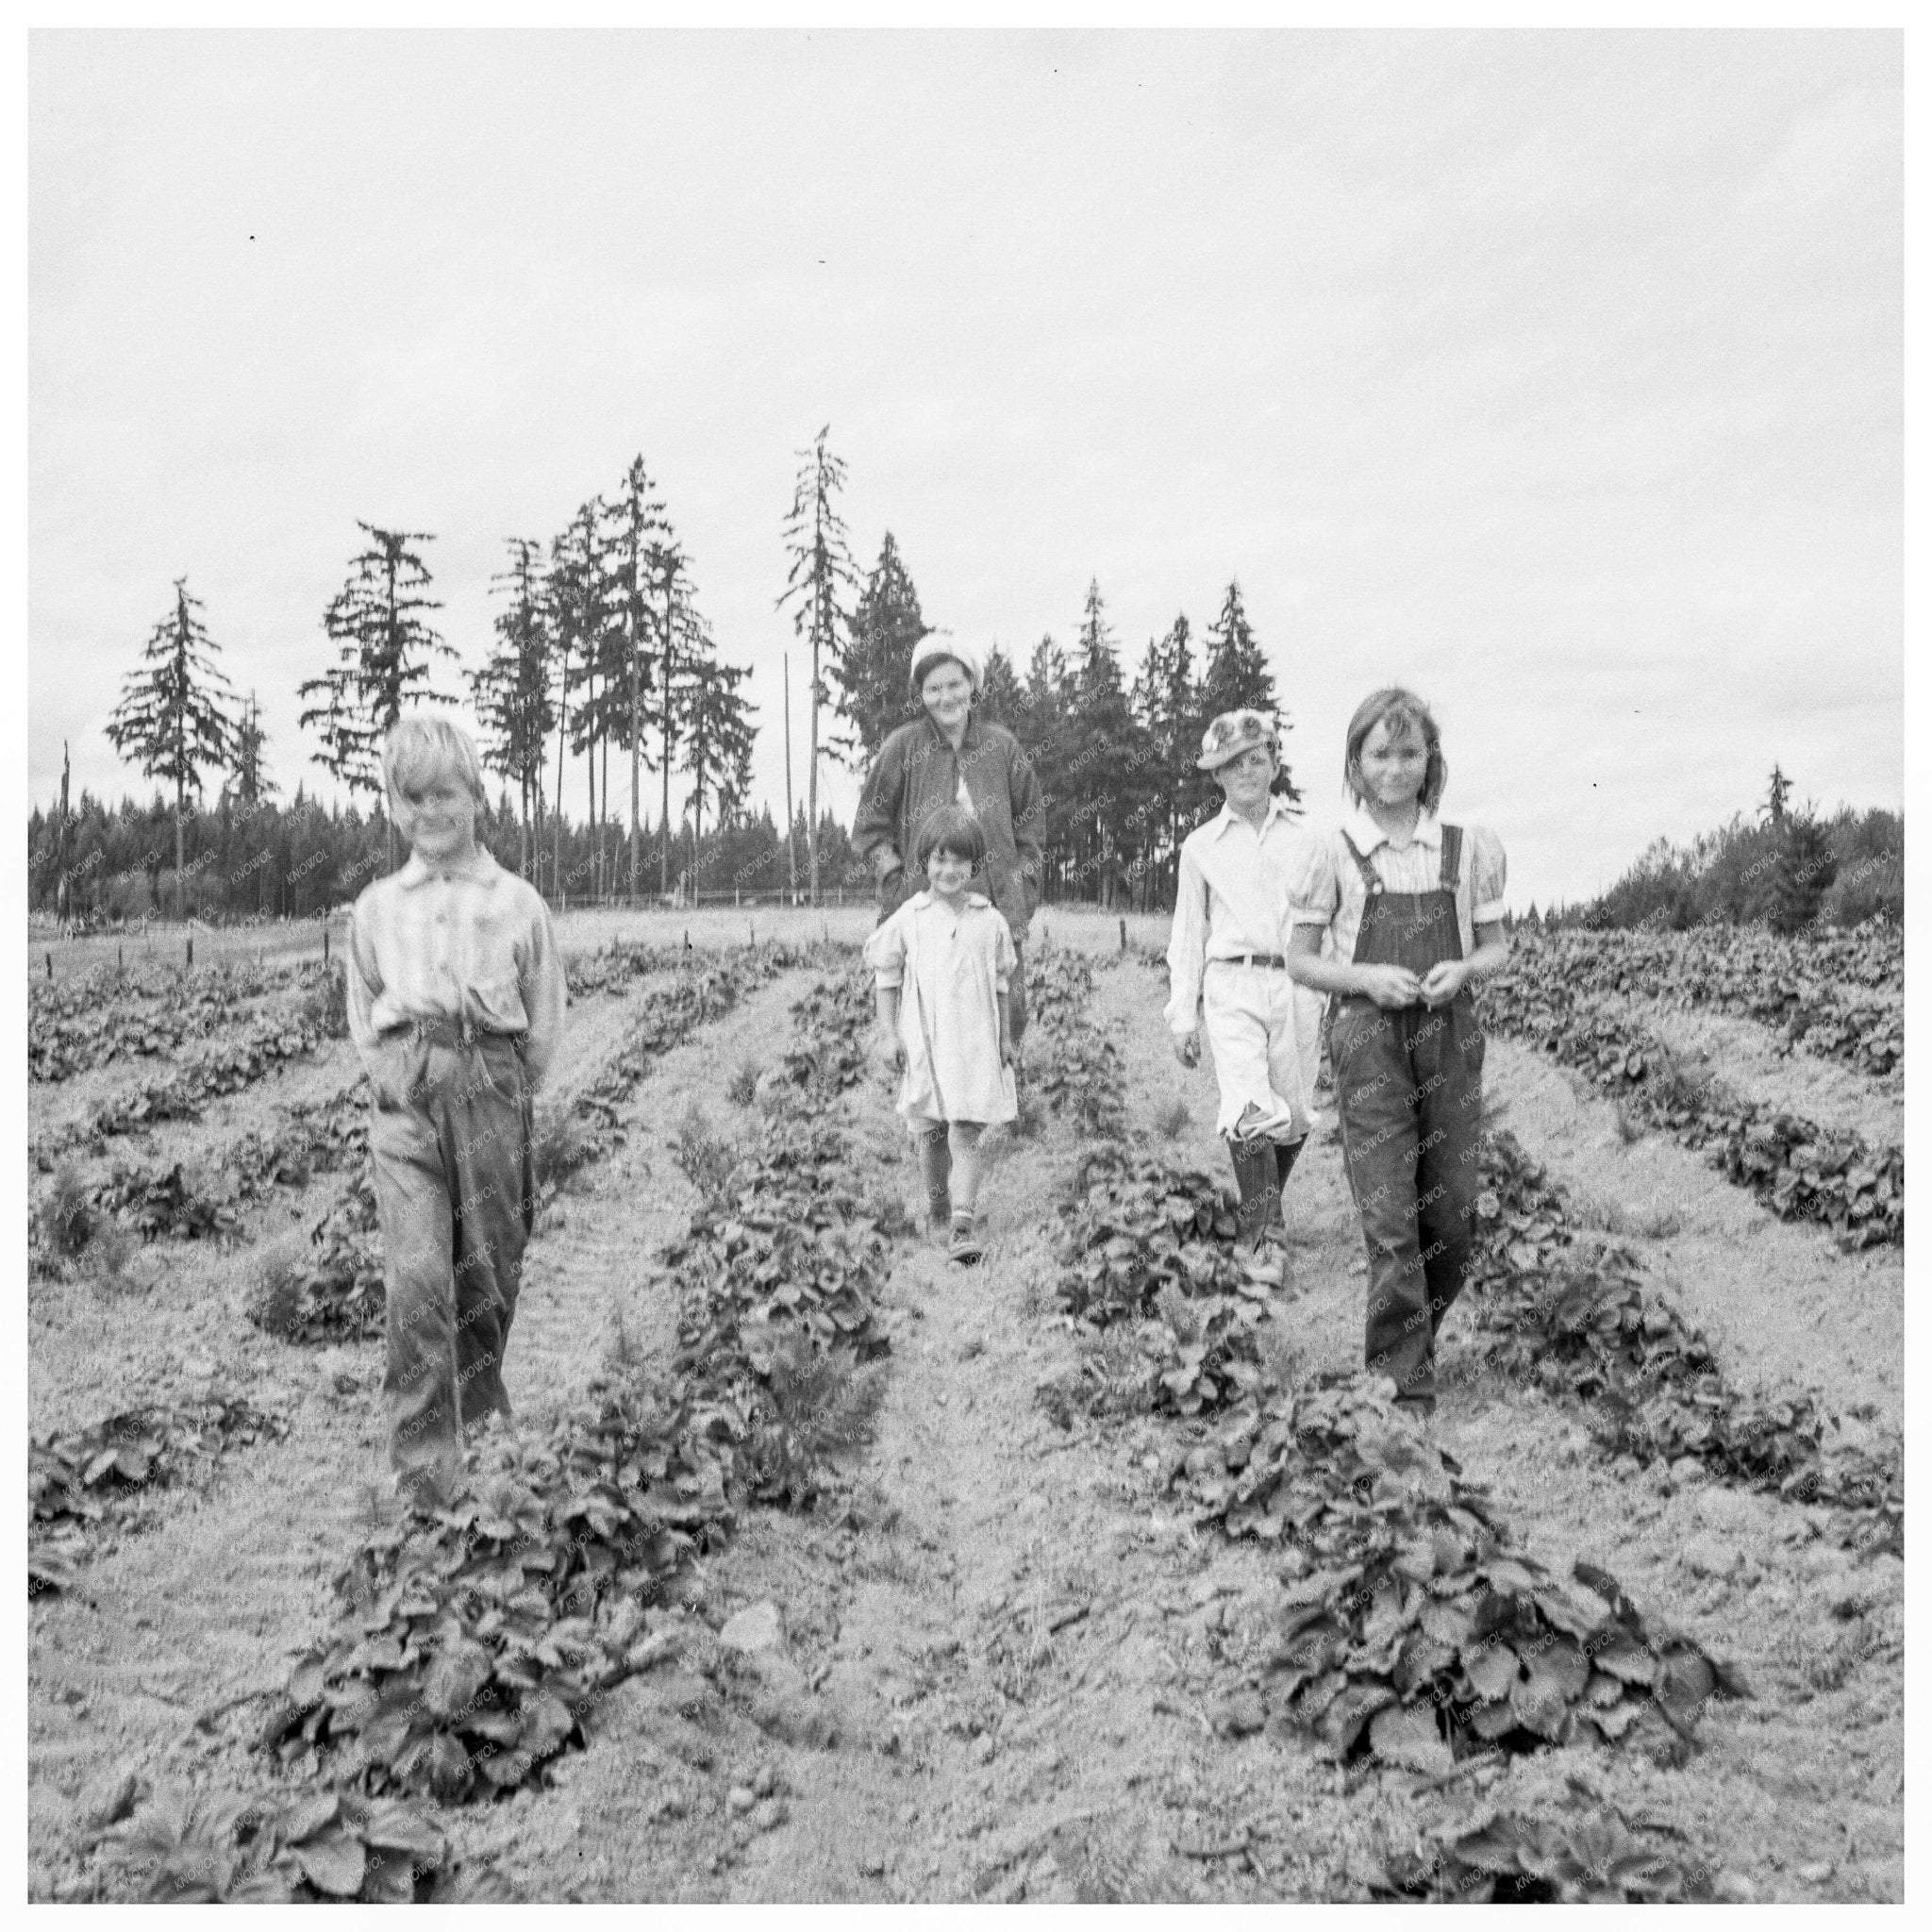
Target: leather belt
{"type": "Point", "coordinates": [1273, 959]}
{"type": "Point", "coordinates": [451, 1033]}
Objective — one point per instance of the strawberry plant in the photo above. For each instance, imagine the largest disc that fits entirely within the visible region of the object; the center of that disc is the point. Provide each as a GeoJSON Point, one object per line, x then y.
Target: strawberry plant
{"type": "Point", "coordinates": [79, 1480]}
{"type": "Point", "coordinates": [301, 1848]}
{"type": "Point", "coordinates": [1407, 1629]}
{"type": "Point", "coordinates": [1513, 1858]}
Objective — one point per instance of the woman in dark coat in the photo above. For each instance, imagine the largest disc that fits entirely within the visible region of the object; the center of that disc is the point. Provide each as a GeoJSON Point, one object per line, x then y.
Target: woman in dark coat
{"type": "Point", "coordinates": [951, 757]}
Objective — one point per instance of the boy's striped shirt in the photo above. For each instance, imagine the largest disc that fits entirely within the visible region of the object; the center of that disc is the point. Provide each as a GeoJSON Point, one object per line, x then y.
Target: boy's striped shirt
{"type": "Point", "coordinates": [472, 944]}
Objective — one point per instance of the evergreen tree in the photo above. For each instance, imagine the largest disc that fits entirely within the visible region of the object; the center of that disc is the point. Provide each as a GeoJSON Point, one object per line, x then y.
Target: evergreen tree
{"type": "Point", "coordinates": [511, 691]}
{"type": "Point", "coordinates": [1805, 870]}
{"type": "Point", "coordinates": [718, 738]}
{"type": "Point", "coordinates": [639, 538]}
{"type": "Point", "coordinates": [1110, 781]}
{"type": "Point", "coordinates": [1168, 704]}
{"type": "Point", "coordinates": [886, 627]}
{"type": "Point", "coordinates": [822, 573]}
{"type": "Point", "coordinates": [1780, 792]}
{"type": "Point", "coordinates": [1045, 729]}
{"type": "Point", "coordinates": [590, 626]}
{"type": "Point", "coordinates": [1237, 676]}
{"type": "Point", "coordinates": [580, 601]}
{"type": "Point", "coordinates": [170, 716]}
{"type": "Point", "coordinates": [1236, 679]}
{"type": "Point", "coordinates": [1002, 696]}
{"type": "Point", "coordinates": [386, 646]}
{"type": "Point", "coordinates": [680, 640]}
{"type": "Point", "coordinates": [253, 786]}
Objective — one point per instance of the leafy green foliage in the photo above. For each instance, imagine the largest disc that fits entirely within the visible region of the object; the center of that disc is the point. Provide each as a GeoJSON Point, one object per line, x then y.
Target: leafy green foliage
{"type": "Point", "coordinates": [467, 1651]}
{"type": "Point", "coordinates": [229, 1067]}
{"type": "Point", "coordinates": [79, 1479]}
{"type": "Point", "coordinates": [1799, 1169]}
{"type": "Point", "coordinates": [1570, 1314]}
{"type": "Point", "coordinates": [1837, 995]}
{"type": "Point", "coordinates": [1075, 1069]}
{"type": "Point", "coordinates": [332, 1845]}
{"type": "Point", "coordinates": [1148, 1248]}
{"type": "Point", "coordinates": [1495, 1856]}
{"type": "Point", "coordinates": [1407, 1629]}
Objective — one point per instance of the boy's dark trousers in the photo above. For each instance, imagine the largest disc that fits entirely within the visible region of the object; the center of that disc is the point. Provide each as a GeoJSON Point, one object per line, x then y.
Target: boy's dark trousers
{"type": "Point", "coordinates": [455, 1190]}
{"type": "Point", "coordinates": [1408, 1091]}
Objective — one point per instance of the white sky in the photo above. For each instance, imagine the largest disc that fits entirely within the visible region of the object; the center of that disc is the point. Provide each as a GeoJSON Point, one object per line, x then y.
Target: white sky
{"type": "Point", "coordinates": [1557, 375]}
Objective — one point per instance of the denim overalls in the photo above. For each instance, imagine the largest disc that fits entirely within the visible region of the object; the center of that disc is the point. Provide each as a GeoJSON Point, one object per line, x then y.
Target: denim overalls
{"type": "Point", "coordinates": [1408, 1090]}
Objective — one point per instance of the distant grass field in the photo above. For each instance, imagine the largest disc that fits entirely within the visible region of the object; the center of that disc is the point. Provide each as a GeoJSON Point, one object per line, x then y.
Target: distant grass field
{"type": "Point", "coordinates": [164, 943]}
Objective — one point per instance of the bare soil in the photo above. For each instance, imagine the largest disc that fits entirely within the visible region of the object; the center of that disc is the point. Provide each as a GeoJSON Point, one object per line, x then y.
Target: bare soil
{"type": "Point", "coordinates": [1005, 1654]}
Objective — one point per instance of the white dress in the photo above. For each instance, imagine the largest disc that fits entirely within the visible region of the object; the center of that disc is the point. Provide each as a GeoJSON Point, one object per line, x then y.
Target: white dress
{"type": "Point", "coordinates": [950, 970]}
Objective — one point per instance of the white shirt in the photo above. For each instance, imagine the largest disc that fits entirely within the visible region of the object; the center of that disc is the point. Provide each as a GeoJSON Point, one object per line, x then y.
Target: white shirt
{"type": "Point", "coordinates": [1233, 886]}
{"type": "Point", "coordinates": [1328, 891]}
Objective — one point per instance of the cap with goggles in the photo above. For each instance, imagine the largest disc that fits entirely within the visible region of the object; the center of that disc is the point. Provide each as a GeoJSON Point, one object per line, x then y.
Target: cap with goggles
{"type": "Point", "coordinates": [1233, 733]}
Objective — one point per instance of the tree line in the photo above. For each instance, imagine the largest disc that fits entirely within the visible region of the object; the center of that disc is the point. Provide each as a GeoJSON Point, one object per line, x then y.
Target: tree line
{"type": "Point", "coordinates": [1788, 868]}
{"type": "Point", "coordinates": [599, 642]}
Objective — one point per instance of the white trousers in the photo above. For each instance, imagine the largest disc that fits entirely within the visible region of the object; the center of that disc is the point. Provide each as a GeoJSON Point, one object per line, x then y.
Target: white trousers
{"type": "Point", "coordinates": [1265, 1034]}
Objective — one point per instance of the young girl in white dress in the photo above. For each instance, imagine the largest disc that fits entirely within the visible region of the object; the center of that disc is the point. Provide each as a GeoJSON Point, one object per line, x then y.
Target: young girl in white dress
{"type": "Point", "coordinates": [942, 966]}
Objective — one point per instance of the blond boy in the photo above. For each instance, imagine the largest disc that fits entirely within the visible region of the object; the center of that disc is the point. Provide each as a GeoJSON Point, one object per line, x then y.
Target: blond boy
{"type": "Point", "coordinates": [455, 1005]}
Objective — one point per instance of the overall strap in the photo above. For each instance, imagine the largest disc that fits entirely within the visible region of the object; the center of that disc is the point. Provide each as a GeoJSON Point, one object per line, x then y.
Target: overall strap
{"type": "Point", "coordinates": [1452, 856]}
{"type": "Point", "coordinates": [1371, 878]}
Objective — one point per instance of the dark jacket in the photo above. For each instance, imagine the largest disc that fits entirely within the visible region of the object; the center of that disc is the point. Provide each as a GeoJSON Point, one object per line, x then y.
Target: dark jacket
{"type": "Point", "coordinates": [917, 772]}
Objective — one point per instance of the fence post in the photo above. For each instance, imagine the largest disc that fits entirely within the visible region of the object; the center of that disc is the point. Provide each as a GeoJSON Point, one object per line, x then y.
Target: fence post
{"type": "Point", "coordinates": [191, 949]}
{"type": "Point", "coordinates": [120, 960]}
{"type": "Point", "coordinates": [324, 942]}
{"type": "Point", "coordinates": [50, 965]}
{"type": "Point", "coordinates": [1123, 935]}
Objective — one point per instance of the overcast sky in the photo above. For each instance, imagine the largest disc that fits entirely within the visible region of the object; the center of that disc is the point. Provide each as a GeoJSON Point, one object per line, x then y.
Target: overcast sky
{"type": "Point", "coordinates": [1556, 374]}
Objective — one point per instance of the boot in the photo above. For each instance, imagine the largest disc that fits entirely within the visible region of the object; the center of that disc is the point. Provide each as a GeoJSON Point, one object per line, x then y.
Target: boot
{"type": "Point", "coordinates": [1286, 1153]}
{"type": "Point", "coordinates": [1254, 1178]}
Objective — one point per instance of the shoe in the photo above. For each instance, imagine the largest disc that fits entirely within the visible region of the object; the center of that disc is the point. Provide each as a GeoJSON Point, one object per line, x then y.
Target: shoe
{"type": "Point", "coordinates": [964, 1246]}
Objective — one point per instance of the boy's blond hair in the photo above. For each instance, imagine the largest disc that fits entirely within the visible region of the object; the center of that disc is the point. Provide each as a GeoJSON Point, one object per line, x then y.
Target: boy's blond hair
{"type": "Point", "coordinates": [423, 748]}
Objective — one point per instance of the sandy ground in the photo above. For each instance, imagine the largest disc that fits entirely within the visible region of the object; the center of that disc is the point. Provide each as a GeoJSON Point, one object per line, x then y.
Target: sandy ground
{"type": "Point", "coordinates": [1009, 1650]}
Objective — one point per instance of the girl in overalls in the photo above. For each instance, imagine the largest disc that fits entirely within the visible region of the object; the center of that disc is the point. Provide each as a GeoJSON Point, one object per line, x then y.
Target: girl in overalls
{"type": "Point", "coordinates": [1415, 909]}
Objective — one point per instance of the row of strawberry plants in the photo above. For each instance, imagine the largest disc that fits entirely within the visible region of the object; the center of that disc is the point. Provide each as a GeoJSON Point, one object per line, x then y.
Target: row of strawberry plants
{"type": "Point", "coordinates": [1569, 1312]}
{"type": "Point", "coordinates": [76, 1025]}
{"type": "Point", "coordinates": [1408, 1631]}
{"type": "Point", "coordinates": [473, 1641]}
{"type": "Point", "coordinates": [473, 1644]}
{"type": "Point", "coordinates": [1799, 1169]}
{"type": "Point", "coordinates": [81, 1480]}
{"type": "Point", "coordinates": [1798, 987]}
{"type": "Point", "coordinates": [265, 1049]}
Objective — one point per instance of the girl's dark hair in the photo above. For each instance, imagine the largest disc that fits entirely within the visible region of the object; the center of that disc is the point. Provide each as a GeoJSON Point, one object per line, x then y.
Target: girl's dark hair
{"type": "Point", "coordinates": [1395, 707]}
{"type": "Point", "coordinates": [951, 829]}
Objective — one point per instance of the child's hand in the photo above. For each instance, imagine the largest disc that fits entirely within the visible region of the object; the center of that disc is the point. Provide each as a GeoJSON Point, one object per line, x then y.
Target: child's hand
{"type": "Point", "coordinates": [1187, 1047]}
{"type": "Point", "coordinates": [1391, 986]}
{"type": "Point", "coordinates": [1444, 981]}
{"type": "Point", "coordinates": [889, 1053]}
